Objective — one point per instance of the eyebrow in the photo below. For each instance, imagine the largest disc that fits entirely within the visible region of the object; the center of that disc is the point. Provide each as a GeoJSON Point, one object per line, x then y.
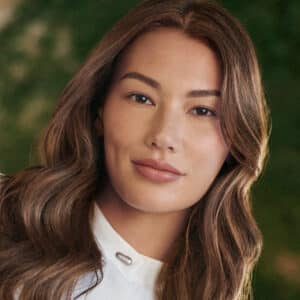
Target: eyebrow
{"type": "Point", "coordinates": [156, 85]}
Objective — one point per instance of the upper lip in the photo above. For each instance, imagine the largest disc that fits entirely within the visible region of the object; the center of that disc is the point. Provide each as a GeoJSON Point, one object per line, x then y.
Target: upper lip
{"type": "Point", "coordinates": [159, 165]}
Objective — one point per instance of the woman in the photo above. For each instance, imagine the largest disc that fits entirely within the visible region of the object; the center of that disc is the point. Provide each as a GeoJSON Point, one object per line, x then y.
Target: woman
{"type": "Point", "coordinates": [143, 187]}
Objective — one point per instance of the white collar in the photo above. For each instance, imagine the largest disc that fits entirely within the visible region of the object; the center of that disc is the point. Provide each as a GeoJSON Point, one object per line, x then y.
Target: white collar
{"type": "Point", "coordinates": [143, 269]}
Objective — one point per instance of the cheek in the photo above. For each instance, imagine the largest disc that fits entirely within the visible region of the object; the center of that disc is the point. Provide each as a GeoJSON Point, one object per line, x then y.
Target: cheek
{"type": "Point", "coordinates": [209, 149]}
{"type": "Point", "coordinates": [122, 127]}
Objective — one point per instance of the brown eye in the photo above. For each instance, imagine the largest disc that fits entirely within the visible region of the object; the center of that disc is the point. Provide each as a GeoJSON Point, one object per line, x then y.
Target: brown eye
{"type": "Point", "coordinates": [140, 98]}
{"type": "Point", "coordinates": [204, 111]}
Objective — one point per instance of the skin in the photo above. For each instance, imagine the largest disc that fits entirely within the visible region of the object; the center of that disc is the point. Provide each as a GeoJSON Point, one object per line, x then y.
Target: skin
{"type": "Point", "coordinates": [166, 125]}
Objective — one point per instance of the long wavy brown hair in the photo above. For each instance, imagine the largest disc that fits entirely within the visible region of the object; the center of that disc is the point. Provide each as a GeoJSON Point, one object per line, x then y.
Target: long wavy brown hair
{"type": "Point", "coordinates": [41, 207]}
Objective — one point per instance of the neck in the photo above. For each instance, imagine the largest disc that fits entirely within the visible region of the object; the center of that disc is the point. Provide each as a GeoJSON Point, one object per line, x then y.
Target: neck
{"type": "Point", "coordinates": [151, 234]}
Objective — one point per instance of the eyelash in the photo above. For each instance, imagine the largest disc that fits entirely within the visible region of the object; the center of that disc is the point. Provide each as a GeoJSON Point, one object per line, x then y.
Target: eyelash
{"type": "Point", "coordinates": [211, 112]}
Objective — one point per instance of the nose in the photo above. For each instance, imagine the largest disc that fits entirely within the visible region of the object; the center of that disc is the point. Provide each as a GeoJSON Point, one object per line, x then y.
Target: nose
{"type": "Point", "coordinates": [164, 131]}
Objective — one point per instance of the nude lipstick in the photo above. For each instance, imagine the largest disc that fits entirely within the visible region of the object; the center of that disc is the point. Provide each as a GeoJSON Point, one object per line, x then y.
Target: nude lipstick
{"type": "Point", "coordinates": [157, 171]}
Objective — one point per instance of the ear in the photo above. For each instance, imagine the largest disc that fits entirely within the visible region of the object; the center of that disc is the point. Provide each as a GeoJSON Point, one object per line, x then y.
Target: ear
{"type": "Point", "coordinates": [99, 123]}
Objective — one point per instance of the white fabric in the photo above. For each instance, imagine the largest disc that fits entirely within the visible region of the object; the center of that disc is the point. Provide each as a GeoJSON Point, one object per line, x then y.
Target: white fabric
{"type": "Point", "coordinates": [120, 281]}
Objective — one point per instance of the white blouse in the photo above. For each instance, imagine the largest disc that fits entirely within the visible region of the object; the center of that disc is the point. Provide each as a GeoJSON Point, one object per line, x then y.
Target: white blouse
{"type": "Point", "coordinates": [127, 274]}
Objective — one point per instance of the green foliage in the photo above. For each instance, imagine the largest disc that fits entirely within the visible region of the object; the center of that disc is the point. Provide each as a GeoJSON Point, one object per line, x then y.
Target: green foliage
{"type": "Point", "coordinates": [47, 41]}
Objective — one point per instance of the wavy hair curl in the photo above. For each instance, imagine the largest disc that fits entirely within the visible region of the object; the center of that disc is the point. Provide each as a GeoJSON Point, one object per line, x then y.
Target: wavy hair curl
{"type": "Point", "coordinates": [42, 206]}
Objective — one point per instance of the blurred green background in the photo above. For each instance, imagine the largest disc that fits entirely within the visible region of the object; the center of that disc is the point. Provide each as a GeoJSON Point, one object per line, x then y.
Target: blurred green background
{"type": "Point", "coordinates": [43, 43]}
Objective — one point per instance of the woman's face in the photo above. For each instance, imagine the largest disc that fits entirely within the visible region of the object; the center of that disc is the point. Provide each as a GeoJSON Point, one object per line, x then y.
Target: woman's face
{"type": "Point", "coordinates": [162, 105]}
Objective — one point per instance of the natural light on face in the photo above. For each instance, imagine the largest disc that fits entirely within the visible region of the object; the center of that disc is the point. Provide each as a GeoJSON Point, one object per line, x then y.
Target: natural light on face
{"type": "Point", "coordinates": [163, 104]}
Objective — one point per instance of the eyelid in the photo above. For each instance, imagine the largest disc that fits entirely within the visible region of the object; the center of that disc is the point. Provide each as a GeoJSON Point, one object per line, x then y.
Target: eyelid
{"type": "Point", "coordinates": [212, 111]}
{"type": "Point", "coordinates": [138, 94]}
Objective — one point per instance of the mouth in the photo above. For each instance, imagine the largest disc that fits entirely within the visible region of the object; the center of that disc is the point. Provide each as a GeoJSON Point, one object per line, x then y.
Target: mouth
{"type": "Point", "coordinates": [155, 175]}
{"type": "Point", "coordinates": [158, 165]}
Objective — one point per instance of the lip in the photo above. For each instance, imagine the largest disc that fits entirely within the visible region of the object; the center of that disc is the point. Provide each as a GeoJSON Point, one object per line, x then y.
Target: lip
{"type": "Point", "coordinates": [158, 165]}
{"type": "Point", "coordinates": [155, 175]}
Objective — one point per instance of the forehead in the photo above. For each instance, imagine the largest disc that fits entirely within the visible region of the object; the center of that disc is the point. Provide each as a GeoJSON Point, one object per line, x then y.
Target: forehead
{"type": "Point", "coordinates": [169, 51]}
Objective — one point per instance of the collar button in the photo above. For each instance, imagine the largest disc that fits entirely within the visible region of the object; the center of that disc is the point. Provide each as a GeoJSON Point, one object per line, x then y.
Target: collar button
{"type": "Point", "coordinates": [124, 258]}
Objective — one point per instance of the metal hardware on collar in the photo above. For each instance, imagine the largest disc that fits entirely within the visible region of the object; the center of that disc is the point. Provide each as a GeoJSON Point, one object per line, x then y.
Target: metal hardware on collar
{"type": "Point", "coordinates": [124, 258]}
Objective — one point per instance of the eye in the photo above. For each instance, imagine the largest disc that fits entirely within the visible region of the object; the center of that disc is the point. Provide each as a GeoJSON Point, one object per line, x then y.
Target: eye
{"type": "Point", "coordinates": [140, 98]}
{"type": "Point", "coordinates": [204, 111]}
{"type": "Point", "coordinates": [200, 110]}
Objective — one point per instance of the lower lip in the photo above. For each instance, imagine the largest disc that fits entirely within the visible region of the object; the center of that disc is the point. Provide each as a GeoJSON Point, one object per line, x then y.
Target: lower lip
{"type": "Point", "coordinates": [156, 175]}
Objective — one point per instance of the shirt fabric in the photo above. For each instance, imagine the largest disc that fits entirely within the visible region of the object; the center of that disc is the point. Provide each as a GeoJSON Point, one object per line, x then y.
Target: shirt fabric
{"type": "Point", "coordinates": [127, 274]}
